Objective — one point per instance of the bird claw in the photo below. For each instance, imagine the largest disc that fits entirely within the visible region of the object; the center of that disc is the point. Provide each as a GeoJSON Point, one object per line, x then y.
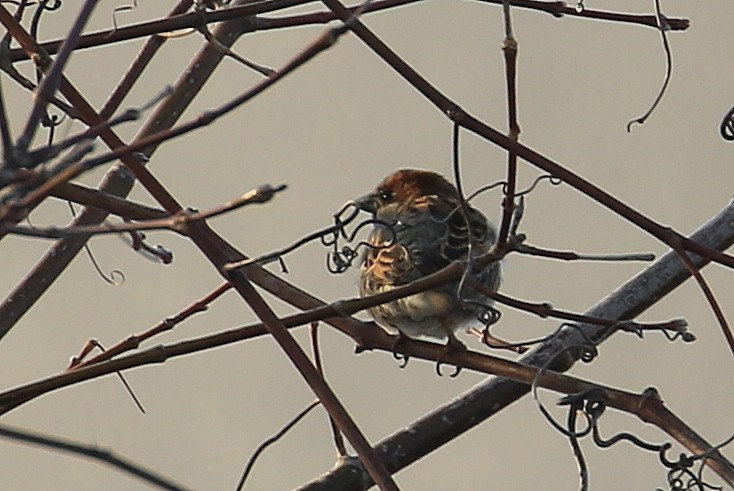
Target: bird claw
{"type": "Point", "coordinates": [453, 346]}
{"type": "Point", "coordinates": [400, 357]}
{"type": "Point", "coordinates": [454, 374]}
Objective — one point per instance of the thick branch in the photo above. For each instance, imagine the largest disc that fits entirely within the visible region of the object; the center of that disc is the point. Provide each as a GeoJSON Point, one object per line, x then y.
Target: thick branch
{"type": "Point", "coordinates": [451, 420]}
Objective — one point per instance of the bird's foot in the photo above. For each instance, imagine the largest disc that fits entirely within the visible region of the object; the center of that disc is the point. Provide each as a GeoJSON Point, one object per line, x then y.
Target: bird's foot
{"type": "Point", "coordinates": [400, 357]}
{"type": "Point", "coordinates": [452, 348]}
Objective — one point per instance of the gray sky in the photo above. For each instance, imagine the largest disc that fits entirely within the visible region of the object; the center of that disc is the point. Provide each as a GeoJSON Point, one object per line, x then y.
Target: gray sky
{"type": "Point", "coordinates": [331, 131]}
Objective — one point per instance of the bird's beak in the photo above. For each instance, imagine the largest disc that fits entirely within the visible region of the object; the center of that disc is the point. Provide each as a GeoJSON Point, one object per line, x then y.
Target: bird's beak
{"type": "Point", "coordinates": [366, 203]}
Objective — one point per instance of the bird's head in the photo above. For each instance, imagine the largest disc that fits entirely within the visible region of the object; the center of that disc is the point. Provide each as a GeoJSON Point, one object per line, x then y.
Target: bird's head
{"type": "Point", "coordinates": [403, 187]}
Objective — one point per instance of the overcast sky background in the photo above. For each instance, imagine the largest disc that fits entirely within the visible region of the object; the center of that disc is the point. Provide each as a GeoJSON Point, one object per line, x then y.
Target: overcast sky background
{"type": "Point", "coordinates": [331, 131]}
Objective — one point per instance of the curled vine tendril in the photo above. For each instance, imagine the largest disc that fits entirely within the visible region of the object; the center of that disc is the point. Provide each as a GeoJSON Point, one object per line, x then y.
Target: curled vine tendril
{"type": "Point", "coordinates": [553, 180]}
{"type": "Point", "coordinates": [43, 5]}
{"type": "Point", "coordinates": [486, 188]}
{"type": "Point", "coordinates": [591, 404]}
{"type": "Point", "coordinates": [116, 276]}
{"type": "Point", "coordinates": [341, 257]}
{"type": "Point", "coordinates": [727, 126]}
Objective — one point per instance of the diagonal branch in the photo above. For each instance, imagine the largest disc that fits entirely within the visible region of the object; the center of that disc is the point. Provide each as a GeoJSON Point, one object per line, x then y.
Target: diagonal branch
{"type": "Point", "coordinates": [194, 19]}
{"type": "Point", "coordinates": [369, 458]}
{"type": "Point", "coordinates": [93, 452]}
{"type": "Point", "coordinates": [488, 398]}
{"type": "Point", "coordinates": [110, 203]}
{"type": "Point", "coordinates": [119, 180]}
{"type": "Point", "coordinates": [177, 223]}
{"type": "Point", "coordinates": [466, 120]}
{"type": "Point", "coordinates": [432, 431]}
{"type": "Point", "coordinates": [52, 80]}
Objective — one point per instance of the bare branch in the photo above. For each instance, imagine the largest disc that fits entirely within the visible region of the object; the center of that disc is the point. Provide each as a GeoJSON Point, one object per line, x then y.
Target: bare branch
{"type": "Point", "coordinates": [509, 48]}
{"type": "Point", "coordinates": [7, 140]}
{"type": "Point", "coordinates": [663, 27]}
{"type": "Point", "coordinates": [52, 80]}
{"type": "Point", "coordinates": [574, 256]}
{"type": "Point", "coordinates": [273, 439]}
{"type": "Point", "coordinates": [117, 181]}
{"type": "Point", "coordinates": [465, 120]}
{"type": "Point", "coordinates": [107, 202]}
{"type": "Point", "coordinates": [650, 410]}
{"type": "Point", "coordinates": [133, 341]}
{"type": "Point", "coordinates": [341, 449]}
{"type": "Point", "coordinates": [192, 20]}
{"type": "Point", "coordinates": [374, 464]}
{"type": "Point", "coordinates": [177, 223]}
{"type": "Point", "coordinates": [93, 452]}
{"type": "Point", "coordinates": [468, 410]}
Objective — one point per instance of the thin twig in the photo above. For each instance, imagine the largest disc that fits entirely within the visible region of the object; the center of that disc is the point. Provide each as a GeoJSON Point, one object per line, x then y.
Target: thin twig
{"type": "Point", "coordinates": [261, 69]}
{"type": "Point", "coordinates": [115, 277]}
{"type": "Point", "coordinates": [710, 298]}
{"type": "Point", "coordinates": [118, 180]}
{"type": "Point", "coordinates": [273, 439]}
{"type": "Point", "coordinates": [96, 344]}
{"type": "Point", "coordinates": [176, 22]}
{"type": "Point", "coordinates": [53, 76]}
{"type": "Point", "coordinates": [574, 256]}
{"type": "Point", "coordinates": [663, 27]}
{"type": "Point", "coordinates": [466, 120]}
{"type": "Point", "coordinates": [110, 203]}
{"type": "Point", "coordinates": [177, 223]}
{"type": "Point", "coordinates": [7, 139]}
{"type": "Point", "coordinates": [545, 310]}
{"type": "Point", "coordinates": [509, 48]}
{"type": "Point", "coordinates": [192, 19]}
{"type": "Point", "coordinates": [133, 341]}
{"type": "Point", "coordinates": [94, 452]}
{"type": "Point", "coordinates": [133, 114]}
{"type": "Point", "coordinates": [142, 60]}
{"type": "Point", "coordinates": [341, 449]}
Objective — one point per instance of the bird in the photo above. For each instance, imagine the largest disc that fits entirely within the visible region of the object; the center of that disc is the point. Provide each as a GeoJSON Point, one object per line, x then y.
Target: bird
{"type": "Point", "coordinates": [420, 227]}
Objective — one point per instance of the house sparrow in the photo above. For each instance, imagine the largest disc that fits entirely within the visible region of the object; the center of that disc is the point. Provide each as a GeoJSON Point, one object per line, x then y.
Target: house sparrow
{"type": "Point", "coordinates": [424, 229]}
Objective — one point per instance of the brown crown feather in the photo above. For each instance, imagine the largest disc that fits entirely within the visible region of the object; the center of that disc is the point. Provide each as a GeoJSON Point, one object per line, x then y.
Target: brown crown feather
{"type": "Point", "coordinates": [407, 183]}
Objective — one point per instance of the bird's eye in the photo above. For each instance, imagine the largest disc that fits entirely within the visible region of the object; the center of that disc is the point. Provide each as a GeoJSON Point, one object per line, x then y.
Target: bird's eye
{"type": "Point", "coordinates": [385, 195]}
